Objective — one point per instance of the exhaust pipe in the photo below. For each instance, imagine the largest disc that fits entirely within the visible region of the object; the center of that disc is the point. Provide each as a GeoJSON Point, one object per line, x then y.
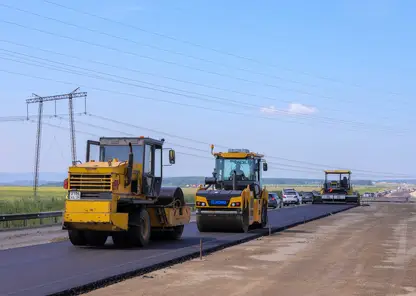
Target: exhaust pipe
{"type": "Point", "coordinates": [234, 180]}
{"type": "Point", "coordinates": [129, 166]}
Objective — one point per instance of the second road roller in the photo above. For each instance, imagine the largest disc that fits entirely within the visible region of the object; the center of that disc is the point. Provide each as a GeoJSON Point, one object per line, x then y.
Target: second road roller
{"type": "Point", "coordinates": [233, 199]}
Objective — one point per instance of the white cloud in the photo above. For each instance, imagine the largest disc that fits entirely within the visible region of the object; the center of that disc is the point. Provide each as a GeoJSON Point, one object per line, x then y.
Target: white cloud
{"type": "Point", "coordinates": [292, 109]}
{"type": "Point", "coordinates": [296, 108]}
{"type": "Point", "coordinates": [268, 110]}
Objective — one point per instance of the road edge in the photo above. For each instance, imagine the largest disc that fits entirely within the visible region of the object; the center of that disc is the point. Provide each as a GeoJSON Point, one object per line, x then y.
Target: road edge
{"type": "Point", "coordinates": [209, 250]}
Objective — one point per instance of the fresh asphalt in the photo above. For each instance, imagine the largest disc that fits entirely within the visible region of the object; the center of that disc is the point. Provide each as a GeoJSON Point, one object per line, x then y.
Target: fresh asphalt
{"type": "Point", "coordinates": [56, 267]}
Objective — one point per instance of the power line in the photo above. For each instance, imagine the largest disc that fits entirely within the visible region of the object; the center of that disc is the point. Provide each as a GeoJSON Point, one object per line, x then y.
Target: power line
{"type": "Point", "coordinates": [281, 166]}
{"type": "Point", "coordinates": [221, 99]}
{"type": "Point", "coordinates": [207, 96]}
{"type": "Point", "coordinates": [25, 117]}
{"type": "Point", "coordinates": [209, 48]}
{"type": "Point", "coordinates": [253, 95]}
{"type": "Point", "coordinates": [223, 146]}
{"type": "Point", "coordinates": [227, 101]}
{"type": "Point", "coordinates": [153, 46]}
{"type": "Point", "coordinates": [151, 58]}
{"type": "Point", "coordinates": [284, 167]}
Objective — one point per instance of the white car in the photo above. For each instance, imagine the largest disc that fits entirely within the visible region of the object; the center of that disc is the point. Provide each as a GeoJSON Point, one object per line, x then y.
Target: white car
{"type": "Point", "coordinates": [291, 196]}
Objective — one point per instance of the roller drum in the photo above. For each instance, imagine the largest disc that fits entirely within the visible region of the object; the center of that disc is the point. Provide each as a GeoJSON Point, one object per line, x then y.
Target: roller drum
{"type": "Point", "coordinates": [168, 195]}
{"type": "Point", "coordinates": [224, 222]}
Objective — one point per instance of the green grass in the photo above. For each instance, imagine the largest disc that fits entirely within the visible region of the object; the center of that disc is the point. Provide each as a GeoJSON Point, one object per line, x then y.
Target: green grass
{"type": "Point", "coordinates": [20, 199]}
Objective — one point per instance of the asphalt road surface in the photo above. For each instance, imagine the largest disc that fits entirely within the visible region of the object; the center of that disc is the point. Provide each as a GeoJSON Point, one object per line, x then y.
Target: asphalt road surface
{"type": "Point", "coordinates": [366, 251]}
{"type": "Point", "coordinates": [54, 267]}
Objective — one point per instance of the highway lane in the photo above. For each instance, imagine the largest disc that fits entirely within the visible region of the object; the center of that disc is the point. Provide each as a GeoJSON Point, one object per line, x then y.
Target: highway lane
{"type": "Point", "coordinates": [55, 267]}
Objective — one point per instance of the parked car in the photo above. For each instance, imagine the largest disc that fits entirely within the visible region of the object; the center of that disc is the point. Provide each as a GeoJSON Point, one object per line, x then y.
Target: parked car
{"type": "Point", "coordinates": [307, 196]}
{"type": "Point", "coordinates": [275, 201]}
{"type": "Point", "coordinates": [291, 196]}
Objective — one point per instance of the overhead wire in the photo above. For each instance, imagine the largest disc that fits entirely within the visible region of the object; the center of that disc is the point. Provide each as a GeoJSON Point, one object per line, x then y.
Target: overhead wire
{"type": "Point", "coordinates": [145, 56]}
{"type": "Point", "coordinates": [23, 118]}
{"type": "Point", "coordinates": [269, 64]}
{"type": "Point", "coordinates": [365, 172]}
{"type": "Point", "coordinates": [254, 95]}
{"type": "Point", "coordinates": [206, 97]}
{"type": "Point", "coordinates": [272, 167]}
{"type": "Point", "coordinates": [223, 100]}
{"type": "Point", "coordinates": [152, 46]}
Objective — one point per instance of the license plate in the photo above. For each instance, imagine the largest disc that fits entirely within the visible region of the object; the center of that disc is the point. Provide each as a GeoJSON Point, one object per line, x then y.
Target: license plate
{"type": "Point", "coordinates": [74, 195]}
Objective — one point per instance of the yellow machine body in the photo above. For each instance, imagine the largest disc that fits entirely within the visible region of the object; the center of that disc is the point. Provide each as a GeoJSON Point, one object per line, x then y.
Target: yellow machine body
{"type": "Point", "coordinates": [121, 198]}
{"type": "Point", "coordinates": [337, 188]}
{"type": "Point", "coordinates": [232, 201]}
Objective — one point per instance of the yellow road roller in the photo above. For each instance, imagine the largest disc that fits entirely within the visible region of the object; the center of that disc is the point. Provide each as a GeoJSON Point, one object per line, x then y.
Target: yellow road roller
{"type": "Point", "coordinates": [121, 195]}
{"type": "Point", "coordinates": [337, 188]}
{"type": "Point", "coordinates": [233, 199]}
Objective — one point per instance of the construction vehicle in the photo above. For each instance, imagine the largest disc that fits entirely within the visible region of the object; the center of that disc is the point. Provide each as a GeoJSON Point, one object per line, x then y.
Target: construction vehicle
{"type": "Point", "coordinates": [337, 189]}
{"type": "Point", "coordinates": [233, 200]}
{"type": "Point", "coordinates": [121, 195]}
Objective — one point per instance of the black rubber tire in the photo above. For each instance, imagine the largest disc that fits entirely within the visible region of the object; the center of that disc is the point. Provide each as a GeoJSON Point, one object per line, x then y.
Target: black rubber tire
{"type": "Point", "coordinates": [201, 227]}
{"type": "Point", "coordinates": [120, 239]}
{"type": "Point", "coordinates": [77, 237]}
{"type": "Point", "coordinates": [245, 227]}
{"type": "Point", "coordinates": [139, 236]}
{"type": "Point", "coordinates": [176, 233]}
{"type": "Point", "coordinates": [96, 238]}
{"type": "Point", "coordinates": [264, 217]}
{"type": "Point", "coordinates": [172, 234]}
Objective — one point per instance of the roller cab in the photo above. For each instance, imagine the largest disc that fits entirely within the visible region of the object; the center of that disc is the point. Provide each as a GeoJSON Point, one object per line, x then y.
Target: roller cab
{"type": "Point", "coordinates": [233, 200]}
{"type": "Point", "coordinates": [337, 188]}
{"type": "Point", "coordinates": [121, 195]}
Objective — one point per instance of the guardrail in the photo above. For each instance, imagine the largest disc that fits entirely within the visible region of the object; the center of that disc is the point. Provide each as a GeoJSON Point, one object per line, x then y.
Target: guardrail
{"type": "Point", "coordinates": [54, 215]}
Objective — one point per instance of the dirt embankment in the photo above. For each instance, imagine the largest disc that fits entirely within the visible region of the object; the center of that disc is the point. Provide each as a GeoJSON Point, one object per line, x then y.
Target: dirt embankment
{"type": "Point", "coordinates": [365, 251]}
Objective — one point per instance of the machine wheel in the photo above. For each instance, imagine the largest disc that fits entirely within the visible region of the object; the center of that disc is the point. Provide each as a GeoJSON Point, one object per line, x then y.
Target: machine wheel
{"type": "Point", "coordinates": [245, 221]}
{"type": "Point", "coordinates": [96, 238]}
{"type": "Point", "coordinates": [120, 239]}
{"type": "Point", "coordinates": [176, 233]}
{"type": "Point", "coordinates": [140, 229]}
{"type": "Point", "coordinates": [77, 237]}
{"type": "Point", "coordinates": [201, 227]}
{"type": "Point", "coordinates": [264, 217]}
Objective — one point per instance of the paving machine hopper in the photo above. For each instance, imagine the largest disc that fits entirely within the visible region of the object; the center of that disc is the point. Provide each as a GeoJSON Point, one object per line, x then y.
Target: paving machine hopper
{"type": "Point", "coordinates": [121, 195]}
{"type": "Point", "coordinates": [233, 200]}
{"type": "Point", "coordinates": [337, 188]}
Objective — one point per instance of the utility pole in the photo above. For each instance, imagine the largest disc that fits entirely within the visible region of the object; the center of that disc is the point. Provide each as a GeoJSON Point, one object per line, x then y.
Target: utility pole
{"type": "Point", "coordinates": [40, 100]}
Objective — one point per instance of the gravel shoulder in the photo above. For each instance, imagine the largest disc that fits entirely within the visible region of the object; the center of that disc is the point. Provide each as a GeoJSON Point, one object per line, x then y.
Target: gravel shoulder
{"type": "Point", "coordinates": [368, 250]}
{"type": "Point", "coordinates": [35, 236]}
{"type": "Point", "coordinates": [30, 237]}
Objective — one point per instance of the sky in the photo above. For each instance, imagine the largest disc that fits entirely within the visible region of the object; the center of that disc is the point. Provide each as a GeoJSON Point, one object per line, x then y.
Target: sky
{"type": "Point", "coordinates": [312, 85]}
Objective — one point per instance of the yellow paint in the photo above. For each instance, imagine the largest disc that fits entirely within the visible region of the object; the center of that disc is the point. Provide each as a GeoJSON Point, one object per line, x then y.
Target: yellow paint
{"type": "Point", "coordinates": [337, 172]}
{"type": "Point", "coordinates": [237, 154]}
{"type": "Point", "coordinates": [89, 206]}
{"type": "Point", "coordinates": [101, 220]}
{"type": "Point", "coordinates": [246, 199]}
